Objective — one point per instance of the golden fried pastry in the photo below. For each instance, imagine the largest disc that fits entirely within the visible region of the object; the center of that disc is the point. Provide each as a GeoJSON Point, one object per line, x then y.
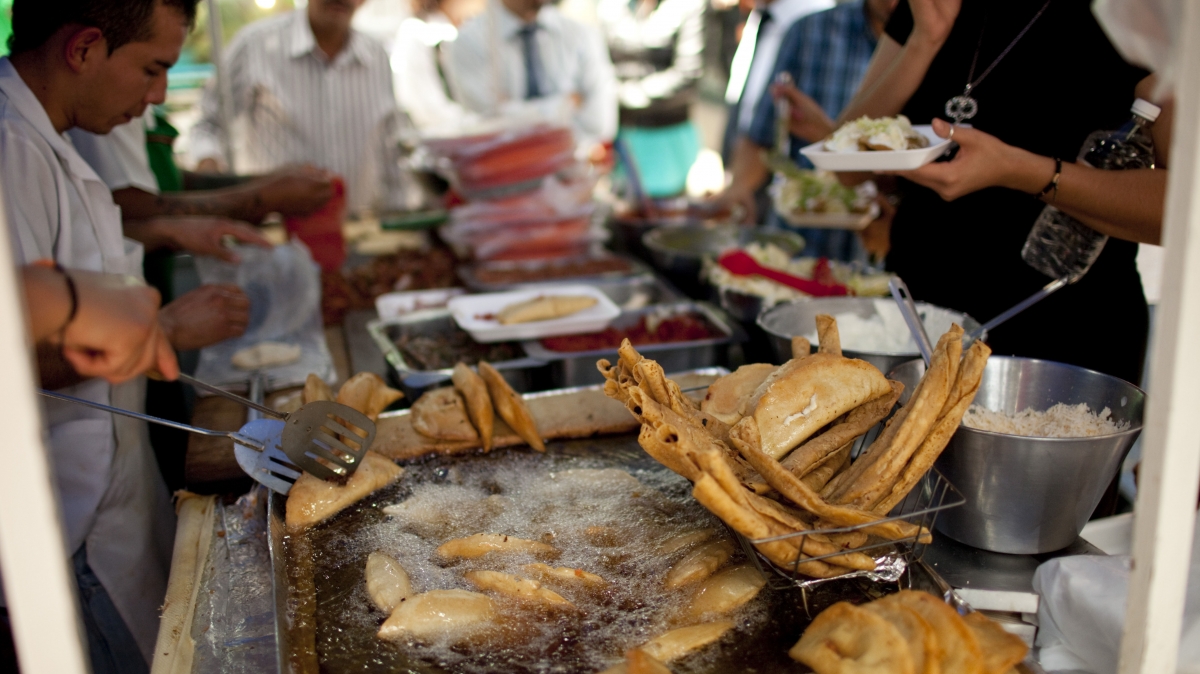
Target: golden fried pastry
{"type": "Point", "coordinates": [544, 308]}
{"type": "Point", "coordinates": [1002, 650]}
{"type": "Point", "coordinates": [847, 639]}
{"type": "Point", "coordinates": [724, 592]}
{"type": "Point", "coordinates": [478, 545]}
{"type": "Point", "coordinates": [479, 402]}
{"type": "Point", "coordinates": [676, 643]}
{"type": "Point", "coordinates": [511, 406]}
{"type": "Point", "coordinates": [453, 614]}
{"type": "Point", "coordinates": [516, 587]}
{"type": "Point", "coordinates": [387, 581]}
{"type": "Point", "coordinates": [312, 500]}
{"type": "Point", "coordinates": [316, 389]}
{"type": "Point", "coordinates": [441, 414]}
{"type": "Point", "coordinates": [700, 563]}
{"type": "Point", "coordinates": [367, 393]}
{"type": "Point", "coordinates": [727, 396]}
{"type": "Point", "coordinates": [960, 652]}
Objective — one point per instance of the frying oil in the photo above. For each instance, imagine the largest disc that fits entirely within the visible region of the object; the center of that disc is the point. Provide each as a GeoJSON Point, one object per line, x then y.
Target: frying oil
{"type": "Point", "coordinates": [600, 518]}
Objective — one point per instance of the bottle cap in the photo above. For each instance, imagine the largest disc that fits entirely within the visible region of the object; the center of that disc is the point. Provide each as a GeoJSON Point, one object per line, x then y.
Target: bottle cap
{"type": "Point", "coordinates": [1143, 108]}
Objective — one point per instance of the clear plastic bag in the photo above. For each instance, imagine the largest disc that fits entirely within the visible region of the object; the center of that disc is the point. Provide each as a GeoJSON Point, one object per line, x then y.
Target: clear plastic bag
{"type": "Point", "coordinates": [284, 287]}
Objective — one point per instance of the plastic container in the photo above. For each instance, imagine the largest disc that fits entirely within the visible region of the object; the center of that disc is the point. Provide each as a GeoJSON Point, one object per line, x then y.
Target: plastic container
{"type": "Point", "coordinates": [1060, 246]}
{"type": "Point", "coordinates": [321, 230]}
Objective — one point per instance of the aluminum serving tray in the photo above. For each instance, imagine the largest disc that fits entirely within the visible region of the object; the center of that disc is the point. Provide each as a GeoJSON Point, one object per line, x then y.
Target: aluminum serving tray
{"type": "Point", "coordinates": [467, 272]}
{"type": "Point", "coordinates": [792, 608]}
{"type": "Point", "coordinates": [522, 372]}
{"type": "Point", "coordinates": [578, 368]}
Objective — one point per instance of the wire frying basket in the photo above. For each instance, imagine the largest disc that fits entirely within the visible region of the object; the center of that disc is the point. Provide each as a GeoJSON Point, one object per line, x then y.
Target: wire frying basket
{"type": "Point", "coordinates": [933, 494]}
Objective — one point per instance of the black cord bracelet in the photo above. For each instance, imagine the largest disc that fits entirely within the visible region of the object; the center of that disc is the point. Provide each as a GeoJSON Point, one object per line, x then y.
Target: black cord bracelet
{"type": "Point", "coordinates": [1053, 184]}
{"type": "Point", "coordinates": [73, 292]}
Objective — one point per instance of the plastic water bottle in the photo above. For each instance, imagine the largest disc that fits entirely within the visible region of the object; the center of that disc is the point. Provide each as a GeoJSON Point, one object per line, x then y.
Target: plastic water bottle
{"type": "Point", "coordinates": [1060, 246]}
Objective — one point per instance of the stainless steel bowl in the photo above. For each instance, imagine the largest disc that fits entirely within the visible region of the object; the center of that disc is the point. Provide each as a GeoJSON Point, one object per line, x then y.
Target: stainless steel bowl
{"type": "Point", "coordinates": [681, 249]}
{"type": "Point", "coordinates": [1032, 495]}
{"type": "Point", "coordinates": [798, 317]}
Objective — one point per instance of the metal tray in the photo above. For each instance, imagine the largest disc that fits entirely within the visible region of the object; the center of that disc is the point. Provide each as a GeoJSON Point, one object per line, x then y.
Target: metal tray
{"type": "Point", "coordinates": [522, 373]}
{"type": "Point", "coordinates": [302, 609]}
{"type": "Point", "coordinates": [467, 273]}
{"type": "Point", "coordinates": [578, 368]}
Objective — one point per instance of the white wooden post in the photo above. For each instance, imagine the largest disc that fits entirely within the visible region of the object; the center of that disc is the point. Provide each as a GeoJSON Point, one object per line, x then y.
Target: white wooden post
{"type": "Point", "coordinates": [1166, 505]}
{"type": "Point", "coordinates": [38, 584]}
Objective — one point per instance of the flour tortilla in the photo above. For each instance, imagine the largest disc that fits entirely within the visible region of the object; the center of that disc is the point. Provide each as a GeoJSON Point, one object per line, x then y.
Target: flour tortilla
{"type": "Point", "coordinates": [265, 355]}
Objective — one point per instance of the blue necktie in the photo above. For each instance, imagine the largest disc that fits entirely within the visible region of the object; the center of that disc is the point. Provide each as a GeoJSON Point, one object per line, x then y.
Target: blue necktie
{"type": "Point", "coordinates": [533, 61]}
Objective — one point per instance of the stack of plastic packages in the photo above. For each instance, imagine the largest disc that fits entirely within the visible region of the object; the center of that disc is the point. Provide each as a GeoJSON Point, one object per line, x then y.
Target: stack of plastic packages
{"type": "Point", "coordinates": [527, 197]}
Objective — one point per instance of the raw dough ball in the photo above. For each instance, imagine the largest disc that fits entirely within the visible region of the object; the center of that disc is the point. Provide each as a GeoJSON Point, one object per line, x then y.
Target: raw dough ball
{"type": "Point", "coordinates": [266, 354]}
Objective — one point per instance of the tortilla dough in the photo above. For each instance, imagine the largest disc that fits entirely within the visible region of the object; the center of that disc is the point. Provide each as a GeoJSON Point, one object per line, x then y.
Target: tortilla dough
{"type": "Point", "coordinates": [266, 354]}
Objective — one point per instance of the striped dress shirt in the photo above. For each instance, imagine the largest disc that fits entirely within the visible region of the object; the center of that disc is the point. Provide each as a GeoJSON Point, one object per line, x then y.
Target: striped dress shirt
{"type": "Point", "coordinates": [294, 105]}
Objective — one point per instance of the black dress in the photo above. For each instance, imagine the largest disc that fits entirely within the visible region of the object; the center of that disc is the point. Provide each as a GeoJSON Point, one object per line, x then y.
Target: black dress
{"type": "Point", "coordinates": [1060, 83]}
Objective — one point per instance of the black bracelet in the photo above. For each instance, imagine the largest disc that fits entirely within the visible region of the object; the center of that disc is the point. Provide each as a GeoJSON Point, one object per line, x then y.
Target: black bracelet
{"type": "Point", "coordinates": [73, 292]}
{"type": "Point", "coordinates": [1053, 184]}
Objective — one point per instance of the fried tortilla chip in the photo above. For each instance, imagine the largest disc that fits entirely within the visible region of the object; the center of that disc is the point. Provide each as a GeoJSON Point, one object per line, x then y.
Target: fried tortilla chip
{"type": "Point", "coordinates": [441, 414]}
{"type": "Point", "coordinates": [677, 643]}
{"type": "Point", "coordinates": [1002, 650]}
{"type": "Point", "coordinates": [745, 437]}
{"type": "Point", "coordinates": [847, 639]}
{"type": "Point", "coordinates": [827, 469]}
{"type": "Point", "coordinates": [479, 403]}
{"type": "Point", "coordinates": [970, 374]}
{"type": "Point", "coordinates": [960, 651]}
{"type": "Point", "coordinates": [828, 338]}
{"type": "Point", "coordinates": [858, 421]}
{"type": "Point", "coordinates": [511, 406]}
{"type": "Point", "coordinates": [727, 396]}
{"type": "Point", "coordinates": [367, 393]}
{"type": "Point", "coordinates": [876, 472]}
{"type": "Point", "coordinates": [817, 390]}
{"type": "Point", "coordinates": [316, 389]}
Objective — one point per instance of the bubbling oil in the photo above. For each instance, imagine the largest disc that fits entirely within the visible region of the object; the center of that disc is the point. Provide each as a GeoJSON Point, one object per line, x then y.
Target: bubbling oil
{"type": "Point", "coordinates": [599, 517]}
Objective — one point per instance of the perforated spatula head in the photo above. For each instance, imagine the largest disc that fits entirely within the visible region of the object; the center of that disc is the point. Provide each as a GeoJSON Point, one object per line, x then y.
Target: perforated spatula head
{"type": "Point", "coordinates": [327, 439]}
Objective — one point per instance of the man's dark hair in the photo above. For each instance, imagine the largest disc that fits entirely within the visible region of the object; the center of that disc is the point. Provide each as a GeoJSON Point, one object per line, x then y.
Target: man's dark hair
{"type": "Point", "coordinates": [121, 21]}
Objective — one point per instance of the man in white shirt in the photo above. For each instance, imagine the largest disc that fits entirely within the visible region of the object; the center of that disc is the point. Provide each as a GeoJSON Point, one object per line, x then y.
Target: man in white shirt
{"type": "Point", "coordinates": [308, 89]}
{"type": "Point", "coordinates": [522, 59]}
{"type": "Point", "coordinates": [93, 64]}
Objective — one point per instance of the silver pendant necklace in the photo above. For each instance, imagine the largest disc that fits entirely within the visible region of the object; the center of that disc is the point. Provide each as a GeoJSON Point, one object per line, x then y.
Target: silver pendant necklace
{"type": "Point", "coordinates": [965, 106]}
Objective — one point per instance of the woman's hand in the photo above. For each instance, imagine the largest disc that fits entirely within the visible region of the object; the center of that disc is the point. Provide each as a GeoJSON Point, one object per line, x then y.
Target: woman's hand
{"type": "Point", "coordinates": [933, 19]}
{"type": "Point", "coordinates": [982, 161]}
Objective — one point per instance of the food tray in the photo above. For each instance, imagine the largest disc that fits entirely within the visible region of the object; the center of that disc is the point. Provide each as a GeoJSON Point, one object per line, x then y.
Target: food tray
{"type": "Point", "coordinates": [469, 273]}
{"type": "Point", "coordinates": [894, 160]}
{"type": "Point", "coordinates": [302, 616]}
{"type": "Point", "coordinates": [521, 372]}
{"type": "Point", "coordinates": [578, 368]}
{"type": "Point", "coordinates": [475, 314]}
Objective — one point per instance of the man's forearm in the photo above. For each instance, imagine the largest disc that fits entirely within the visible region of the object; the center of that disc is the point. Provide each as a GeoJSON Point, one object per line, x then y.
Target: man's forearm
{"type": "Point", "coordinates": [243, 202]}
{"type": "Point", "coordinates": [901, 70]}
{"type": "Point", "coordinates": [748, 170]}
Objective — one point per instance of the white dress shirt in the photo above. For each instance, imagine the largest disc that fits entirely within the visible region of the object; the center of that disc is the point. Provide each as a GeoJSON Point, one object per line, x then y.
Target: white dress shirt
{"type": "Point", "coordinates": [109, 487]}
{"type": "Point", "coordinates": [293, 105]}
{"type": "Point", "coordinates": [488, 71]}
{"type": "Point", "coordinates": [754, 59]}
{"type": "Point", "coordinates": [418, 69]}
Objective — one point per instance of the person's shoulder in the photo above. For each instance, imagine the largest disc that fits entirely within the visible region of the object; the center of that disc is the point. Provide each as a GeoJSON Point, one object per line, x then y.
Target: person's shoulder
{"type": "Point", "coordinates": [255, 32]}
{"type": "Point", "coordinates": [473, 30]}
{"type": "Point", "coordinates": [372, 49]}
{"type": "Point", "coordinates": [827, 18]}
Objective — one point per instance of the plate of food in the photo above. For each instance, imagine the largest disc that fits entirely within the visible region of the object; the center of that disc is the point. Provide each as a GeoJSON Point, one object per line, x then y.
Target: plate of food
{"type": "Point", "coordinates": [884, 144]}
{"type": "Point", "coordinates": [816, 199]}
{"type": "Point", "coordinates": [533, 313]}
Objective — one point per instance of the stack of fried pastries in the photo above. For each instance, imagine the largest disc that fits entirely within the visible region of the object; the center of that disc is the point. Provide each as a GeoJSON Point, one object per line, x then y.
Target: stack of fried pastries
{"type": "Point", "coordinates": [768, 449]}
{"type": "Point", "coordinates": [907, 633]}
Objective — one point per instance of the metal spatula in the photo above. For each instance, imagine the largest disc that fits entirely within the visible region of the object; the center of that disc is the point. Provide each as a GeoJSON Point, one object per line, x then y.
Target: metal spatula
{"type": "Point", "coordinates": [324, 438]}
{"type": "Point", "coordinates": [256, 446]}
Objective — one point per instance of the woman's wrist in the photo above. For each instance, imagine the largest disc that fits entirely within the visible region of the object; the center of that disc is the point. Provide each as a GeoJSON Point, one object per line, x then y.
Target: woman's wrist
{"type": "Point", "coordinates": [1028, 172]}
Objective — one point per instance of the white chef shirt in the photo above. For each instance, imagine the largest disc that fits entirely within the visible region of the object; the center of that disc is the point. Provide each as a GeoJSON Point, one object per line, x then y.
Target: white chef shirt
{"type": "Point", "coordinates": [752, 66]}
{"type": "Point", "coordinates": [487, 66]}
{"type": "Point", "coordinates": [110, 491]}
{"type": "Point", "coordinates": [418, 75]}
{"type": "Point", "coordinates": [119, 157]}
{"type": "Point", "coordinates": [294, 105]}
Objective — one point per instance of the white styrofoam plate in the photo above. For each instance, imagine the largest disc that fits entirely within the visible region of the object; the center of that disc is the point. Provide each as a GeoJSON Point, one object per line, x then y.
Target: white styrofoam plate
{"type": "Point", "coordinates": [395, 305]}
{"type": "Point", "coordinates": [895, 160]}
{"type": "Point", "coordinates": [853, 221]}
{"type": "Point", "coordinates": [474, 313]}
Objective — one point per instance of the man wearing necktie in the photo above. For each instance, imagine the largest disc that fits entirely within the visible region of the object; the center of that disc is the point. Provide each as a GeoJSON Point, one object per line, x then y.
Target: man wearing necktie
{"type": "Point", "coordinates": [524, 60]}
{"type": "Point", "coordinates": [755, 59]}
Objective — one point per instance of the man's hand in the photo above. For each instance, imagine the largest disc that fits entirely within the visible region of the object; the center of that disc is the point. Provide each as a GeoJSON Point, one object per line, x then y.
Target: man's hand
{"type": "Point", "coordinates": [205, 316]}
{"type": "Point", "coordinates": [115, 334]}
{"type": "Point", "coordinates": [933, 20]}
{"type": "Point", "coordinates": [982, 161]}
{"type": "Point", "coordinates": [741, 205]}
{"type": "Point", "coordinates": [294, 190]}
{"type": "Point", "coordinates": [208, 165]}
{"type": "Point", "coordinates": [205, 236]}
{"type": "Point", "coordinates": [876, 237]}
{"type": "Point", "coordinates": [808, 120]}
